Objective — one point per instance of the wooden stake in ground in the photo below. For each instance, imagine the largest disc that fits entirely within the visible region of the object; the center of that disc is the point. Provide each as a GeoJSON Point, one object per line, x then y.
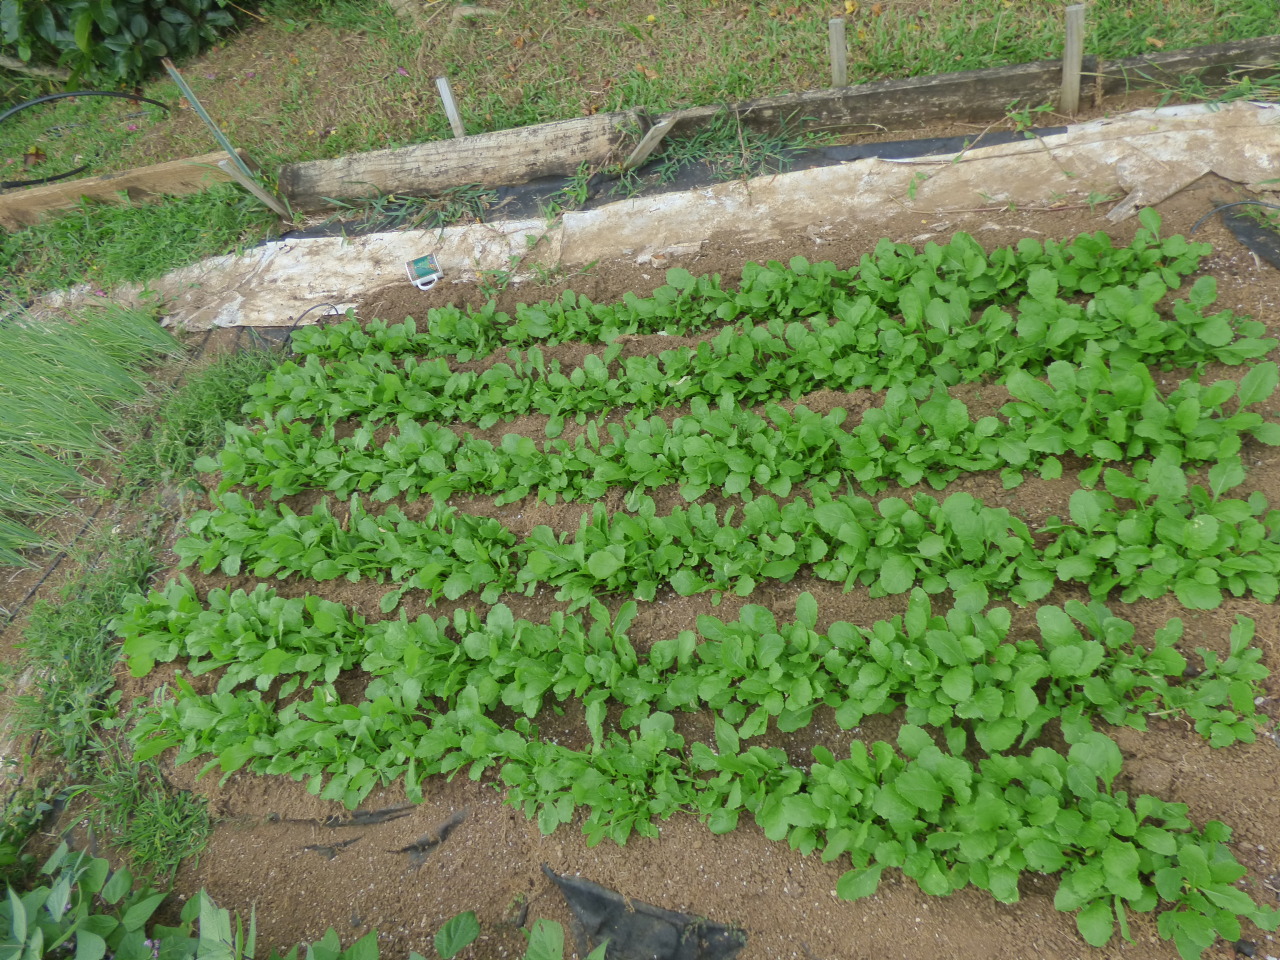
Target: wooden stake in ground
{"type": "Point", "coordinates": [839, 53]}
{"type": "Point", "coordinates": [1072, 60]}
{"type": "Point", "coordinates": [649, 142]}
{"type": "Point", "coordinates": [235, 165]}
{"type": "Point", "coordinates": [249, 184]}
{"type": "Point", "coordinates": [450, 107]}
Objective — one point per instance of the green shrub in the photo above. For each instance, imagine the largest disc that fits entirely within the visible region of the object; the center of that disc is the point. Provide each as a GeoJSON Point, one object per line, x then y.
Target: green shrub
{"type": "Point", "coordinates": [108, 41]}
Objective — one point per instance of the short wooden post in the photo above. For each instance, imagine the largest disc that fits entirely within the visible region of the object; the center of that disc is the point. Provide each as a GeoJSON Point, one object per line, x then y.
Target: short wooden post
{"type": "Point", "coordinates": [1072, 60]}
{"type": "Point", "coordinates": [450, 107]}
{"type": "Point", "coordinates": [649, 142]}
{"type": "Point", "coordinates": [839, 53]}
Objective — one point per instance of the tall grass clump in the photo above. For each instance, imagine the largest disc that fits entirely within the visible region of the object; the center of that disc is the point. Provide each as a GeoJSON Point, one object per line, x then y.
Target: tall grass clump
{"type": "Point", "coordinates": [64, 385]}
{"type": "Point", "coordinates": [175, 427]}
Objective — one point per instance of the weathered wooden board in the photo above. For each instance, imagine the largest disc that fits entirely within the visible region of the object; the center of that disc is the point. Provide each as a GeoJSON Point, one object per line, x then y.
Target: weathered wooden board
{"type": "Point", "coordinates": [981, 95]}
{"type": "Point", "coordinates": [25, 206]}
{"type": "Point", "coordinates": [1212, 65]}
{"type": "Point", "coordinates": [557, 149]}
{"type": "Point", "coordinates": [494, 159]}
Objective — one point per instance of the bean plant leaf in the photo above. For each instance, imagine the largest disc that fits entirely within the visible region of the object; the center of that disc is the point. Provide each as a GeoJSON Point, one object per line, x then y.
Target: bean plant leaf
{"type": "Point", "coordinates": [546, 941]}
{"type": "Point", "coordinates": [89, 946]}
{"type": "Point", "coordinates": [458, 933]}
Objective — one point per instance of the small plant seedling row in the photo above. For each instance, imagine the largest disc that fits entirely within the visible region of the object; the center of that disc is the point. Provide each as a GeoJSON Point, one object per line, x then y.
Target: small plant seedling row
{"type": "Point", "coordinates": [426, 712]}
{"type": "Point", "coordinates": [1180, 538]}
{"type": "Point", "coordinates": [689, 304]}
{"type": "Point", "coordinates": [864, 346]}
{"type": "Point", "coordinates": [1097, 411]}
{"type": "Point", "coordinates": [909, 323]}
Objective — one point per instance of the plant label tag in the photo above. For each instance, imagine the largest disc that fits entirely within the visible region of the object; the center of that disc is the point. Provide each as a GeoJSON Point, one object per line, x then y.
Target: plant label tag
{"type": "Point", "coordinates": [424, 272]}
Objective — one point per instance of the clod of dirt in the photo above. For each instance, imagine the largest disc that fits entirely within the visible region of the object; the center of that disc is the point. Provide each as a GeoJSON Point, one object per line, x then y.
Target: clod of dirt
{"type": "Point", "coordinates": [331, 850]}
{"type": "Point", "coordinates": [639, 931]}
{"type": "Point", "coordinates": [421, 848]}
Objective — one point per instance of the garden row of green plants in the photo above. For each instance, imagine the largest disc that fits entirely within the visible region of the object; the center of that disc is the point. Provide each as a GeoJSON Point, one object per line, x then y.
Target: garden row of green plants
{"type": "Point", "coordinates": [1188, 539]}
{"type": "Point", "coordinates": [945, 821]}
{"type": "Point", "coordinates": [904, 322]}
{"type": "Point", "coordinates": [687, 304]}
{"type": "Point", "coordinates": [1097, 411]}
{"type": "Point", "coordinates": [952, 340]}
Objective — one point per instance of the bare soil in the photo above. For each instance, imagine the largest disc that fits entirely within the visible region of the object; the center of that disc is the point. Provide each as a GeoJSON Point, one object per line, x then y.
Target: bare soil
{"type": "Point", "coordinates": [264, 853]}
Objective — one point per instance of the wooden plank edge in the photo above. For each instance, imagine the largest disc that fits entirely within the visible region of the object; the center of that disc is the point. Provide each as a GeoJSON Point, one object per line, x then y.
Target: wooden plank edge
{"type": "Point", "coordinates": [506, 157]}
{"type": "Point", "coordinates": [25, 206]}
{"type": "Point", "coordinates": [980, 95]}
{"type": "Point", "coordinates": [971, 95]}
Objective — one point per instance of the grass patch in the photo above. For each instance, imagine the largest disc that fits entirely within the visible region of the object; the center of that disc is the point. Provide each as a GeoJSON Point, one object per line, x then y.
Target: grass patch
{"type": "Point", "coordinates": [74, 705]}
{"type": "Point", "coordinates": [160, 827]}
{"type": "Point", "coordinates": [73, 652]}
{"type": "Point", "coordinates": [174, 428]}
{"type": "Point", "coordinates": [104, 244]}
{"type": "Point", "coordinates": [64, 384]}
{"type": "Point", "coordinates": [322, 79]}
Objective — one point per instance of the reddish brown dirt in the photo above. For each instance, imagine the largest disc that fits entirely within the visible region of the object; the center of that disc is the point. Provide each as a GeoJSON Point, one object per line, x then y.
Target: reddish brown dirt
{"type": "Point", "coordinates": [492, 862]}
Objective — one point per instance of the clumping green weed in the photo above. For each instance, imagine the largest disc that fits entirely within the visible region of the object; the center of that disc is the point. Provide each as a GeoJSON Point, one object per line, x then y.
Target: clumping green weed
{"type": "Point", "coordinates": [74, 705]}
{"type": "Point", "coordinates": [138, 810]}
{"type": "Point", "coordinates": [172, 429]}
{"type": "Point", "coordinates": [71, 649]}
{"type": "Point", "coordinates": [396, 211]}
{"type": "Point", "coordinates": [730, 150]}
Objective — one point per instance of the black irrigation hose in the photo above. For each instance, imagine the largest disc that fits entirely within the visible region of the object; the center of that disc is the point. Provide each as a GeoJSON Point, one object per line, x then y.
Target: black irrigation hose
{"type": "Point", "coordinates": [334, 312]}
{"type": "Point", "coordinates": [1225, 206]}
{"type": "Point", "coordinates": [5, 184]}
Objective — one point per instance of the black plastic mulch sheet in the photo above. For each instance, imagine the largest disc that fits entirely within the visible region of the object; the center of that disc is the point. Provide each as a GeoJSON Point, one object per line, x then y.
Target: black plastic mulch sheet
{"type": "Point", "coordinates": [1261, 239]}
{"type": "Point", "coordinates": [639, 931]}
